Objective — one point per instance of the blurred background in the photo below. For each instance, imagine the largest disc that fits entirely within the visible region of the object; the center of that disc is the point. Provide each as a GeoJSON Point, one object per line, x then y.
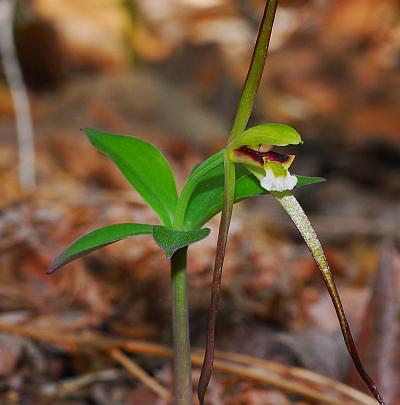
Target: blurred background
{"type": "Point", "coordinates": [171, 71]}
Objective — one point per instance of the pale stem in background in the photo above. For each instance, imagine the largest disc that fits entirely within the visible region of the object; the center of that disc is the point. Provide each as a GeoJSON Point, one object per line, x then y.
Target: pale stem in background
{"type": "Point", "coordinates": [14, 78]}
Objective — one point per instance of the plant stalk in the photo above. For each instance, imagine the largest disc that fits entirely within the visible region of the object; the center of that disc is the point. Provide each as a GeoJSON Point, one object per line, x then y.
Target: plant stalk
{"type": "Point", "coordinates": [256, 70]}
{"type": "Point", "coordinates": [242, 117]}
{"type": "Point", "coordinates": [180, 329]}
{"type": "Point", "coordinates": [208, 363]}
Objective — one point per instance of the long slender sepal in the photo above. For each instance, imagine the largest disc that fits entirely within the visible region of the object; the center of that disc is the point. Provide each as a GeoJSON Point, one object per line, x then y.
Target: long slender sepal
{"type": "Point", "coordinates": [303, 224]}
{"type": "Point", "coordinates": [207, 368]}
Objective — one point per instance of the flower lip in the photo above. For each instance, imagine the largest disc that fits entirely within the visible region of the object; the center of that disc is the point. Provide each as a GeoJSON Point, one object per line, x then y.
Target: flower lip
{"type": "Point", "coordinates": [271, 182]}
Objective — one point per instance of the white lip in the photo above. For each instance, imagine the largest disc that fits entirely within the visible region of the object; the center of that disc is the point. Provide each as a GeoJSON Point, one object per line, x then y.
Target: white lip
{"type": "Point", "coordinates": [272, 183]}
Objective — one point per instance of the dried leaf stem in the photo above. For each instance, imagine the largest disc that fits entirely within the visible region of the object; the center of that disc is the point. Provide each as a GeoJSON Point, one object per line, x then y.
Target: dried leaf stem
{"type": "Point", "coordinates": [300, 219]}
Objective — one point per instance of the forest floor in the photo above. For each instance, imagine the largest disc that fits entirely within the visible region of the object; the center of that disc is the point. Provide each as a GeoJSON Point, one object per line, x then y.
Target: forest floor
{"type": "Point", "coordinates": [63, 337]}
{"type": "Point", "coordinates": [274, 305]}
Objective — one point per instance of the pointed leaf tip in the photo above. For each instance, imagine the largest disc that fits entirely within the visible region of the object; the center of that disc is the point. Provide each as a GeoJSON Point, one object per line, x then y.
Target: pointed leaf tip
{"type": "Point", "coordinates": [97, 239]}
{"type": "Point", "coordinates": [145, 168]}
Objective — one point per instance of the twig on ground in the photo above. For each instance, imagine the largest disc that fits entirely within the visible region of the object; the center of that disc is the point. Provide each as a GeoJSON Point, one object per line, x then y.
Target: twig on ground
{"type": "Point", "coordinates": [139, 373]}
{"type": "Point", "coordinates": [297, 373]}
{"type": "Point", "coordinates": [72, 385]}
{"type": "Point", "coordinates": [289, 379]}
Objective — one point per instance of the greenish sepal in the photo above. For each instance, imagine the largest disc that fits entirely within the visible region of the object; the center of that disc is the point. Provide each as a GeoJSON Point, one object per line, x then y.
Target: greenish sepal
{"type": "Point", "coordinates": [267, 134]}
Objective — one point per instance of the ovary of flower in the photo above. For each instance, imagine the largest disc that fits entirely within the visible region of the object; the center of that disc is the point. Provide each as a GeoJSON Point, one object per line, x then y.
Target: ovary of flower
{"type": "Point", "coordinates": [277, 178]}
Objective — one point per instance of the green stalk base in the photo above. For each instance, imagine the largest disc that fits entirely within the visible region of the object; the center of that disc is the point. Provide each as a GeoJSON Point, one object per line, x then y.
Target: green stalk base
{"type": "Point", "coordinates": [180, 329]}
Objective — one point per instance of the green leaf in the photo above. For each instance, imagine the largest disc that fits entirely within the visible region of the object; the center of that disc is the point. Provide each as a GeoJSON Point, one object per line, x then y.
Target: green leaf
{"type": "Point", "coordinates": [207, 197]}
{"type": "Point", "coordinates": [267, 134]}
{"type": "Point", "coordinates": [96, 240]}
{"type": "Point", "coordinates": [144, 167]}
{"type": "Point", "coordinates": [201, 171]}
{"type": "Point", "coordinates": [171, 240]}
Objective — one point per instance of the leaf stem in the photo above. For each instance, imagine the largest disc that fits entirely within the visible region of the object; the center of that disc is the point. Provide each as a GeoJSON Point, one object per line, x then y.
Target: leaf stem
{"type": "Point", "coordinates": [180, 329]}
{"type": "Point", "coordinates": [242, 117]}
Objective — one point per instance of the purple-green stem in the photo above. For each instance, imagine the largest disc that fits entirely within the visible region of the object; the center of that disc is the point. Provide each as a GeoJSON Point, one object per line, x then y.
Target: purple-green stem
{"type": "Point", "coordinates": [216, 283]}
{"type": "Point", "coordinates": [242, 117]}
{"type": "Point", "coordinates": [180, 329]}
{"type": "Point", "coordinates": [288, 202]}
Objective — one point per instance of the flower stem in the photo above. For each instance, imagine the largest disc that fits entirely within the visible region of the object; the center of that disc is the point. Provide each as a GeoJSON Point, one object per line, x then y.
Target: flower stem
{"type": "Point", "coordinates": [243, 113]}
{"type": "Point", "coordinates": [207, 368]}
{"type": "Point", "coordinates": [180, 329]}
{"type": "Point", "coordinates": [256, 70]}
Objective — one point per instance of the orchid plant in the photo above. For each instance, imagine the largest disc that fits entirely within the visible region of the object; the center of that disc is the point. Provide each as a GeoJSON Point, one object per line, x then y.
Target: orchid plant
{"type": "Point", "coordinates": [182, 219]}
{"type": "Point", "coordinates": [247, 167]}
